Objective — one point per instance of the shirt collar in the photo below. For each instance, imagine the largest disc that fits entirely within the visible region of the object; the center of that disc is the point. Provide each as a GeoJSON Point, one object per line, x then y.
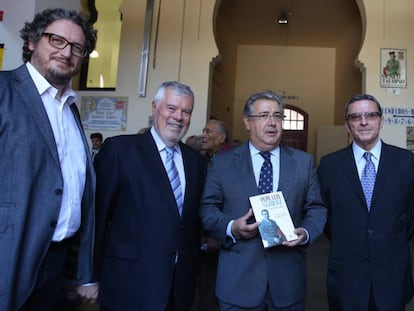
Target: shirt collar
{"type": "Point", "coordinates": [375, 151]}
{"type": "Point", "coordinates": [42, 85]}
{"type": "Point", "coordinates": [160, 144]}
{"type": "Point", "coordinates": [254, 151]}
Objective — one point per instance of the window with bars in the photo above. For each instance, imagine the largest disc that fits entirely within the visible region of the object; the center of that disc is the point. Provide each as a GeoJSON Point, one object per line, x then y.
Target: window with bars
{"type": "Point", "coordinates": [294, 120]}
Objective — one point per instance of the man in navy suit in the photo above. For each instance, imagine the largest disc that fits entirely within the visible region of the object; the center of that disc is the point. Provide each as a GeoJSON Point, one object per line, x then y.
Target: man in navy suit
{"type": "Point", "coordinates": [47, 181]}
{"type": "Point", "coordinates": [147, 242]}
{"type": "Point", "coordinates": [369, 266]}
{"type": "Point", "coordinates": [249, 276]}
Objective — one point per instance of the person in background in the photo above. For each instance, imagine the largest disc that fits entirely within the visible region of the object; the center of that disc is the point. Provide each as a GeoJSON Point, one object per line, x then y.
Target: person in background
{"type": "Point", "coordinates": [249, 276]}
{"type": "Point", "coordinates": [215, 138]}
{"type": "Point", "coordinates": [368, 188]}
{"type": "Point", "coordinates": [97, 140]}
{"type": "Point", "coordinates": [47, 183]}
{"type": "Point", "coordinates": [194, 141]}
{"type": "Point", "coordinates": [147, 237]}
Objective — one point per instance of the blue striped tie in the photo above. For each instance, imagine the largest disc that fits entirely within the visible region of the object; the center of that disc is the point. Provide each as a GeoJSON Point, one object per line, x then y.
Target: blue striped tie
{"type": "Point", "coordinates": [174, 178]}
{"type": "Point", "coordinates": [368, 178]}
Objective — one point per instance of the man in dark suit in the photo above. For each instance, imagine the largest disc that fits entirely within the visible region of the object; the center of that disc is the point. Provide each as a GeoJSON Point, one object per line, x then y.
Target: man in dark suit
{"type": "Point", "coordinates": [369, 266]}
{"type": "Point", "coordinates": [249, 276]}
{"type": "Point", "coordinates": [147, 241]}
{"type": "Point", "coordinates": [47, 179]}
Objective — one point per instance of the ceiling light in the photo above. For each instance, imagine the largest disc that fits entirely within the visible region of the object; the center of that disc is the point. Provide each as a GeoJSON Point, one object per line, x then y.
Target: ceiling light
{"type": "Point", "coordinates": [283, 18]}
{"type": "Point", "coordinates": [94, 54]}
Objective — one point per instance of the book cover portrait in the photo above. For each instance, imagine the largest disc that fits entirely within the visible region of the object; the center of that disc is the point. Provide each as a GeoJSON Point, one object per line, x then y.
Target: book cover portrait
{"type": "Point", "coordinates": [276, 225]}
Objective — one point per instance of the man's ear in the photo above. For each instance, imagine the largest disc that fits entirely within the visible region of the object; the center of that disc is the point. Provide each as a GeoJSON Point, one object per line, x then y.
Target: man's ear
{"type": "Point", "coordinates": [246, 123]}
{"type": "Point", "coordinates": [222, 138]}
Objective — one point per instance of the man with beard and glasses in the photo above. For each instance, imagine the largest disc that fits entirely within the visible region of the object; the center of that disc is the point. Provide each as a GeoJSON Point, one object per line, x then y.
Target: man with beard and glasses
{"type": "Point", "coordinates": [47, 181]}
{"type": "Point", "coordinates": [147, 200]}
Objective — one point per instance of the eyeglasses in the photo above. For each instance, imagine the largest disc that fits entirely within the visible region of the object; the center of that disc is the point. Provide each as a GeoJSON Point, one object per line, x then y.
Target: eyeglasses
{"type": "Point", "coordinates": [369, 116]}
{"type": "Point", "coordinates": [60, 42]}
{"type": "Point", "coordinates": [277, 116]}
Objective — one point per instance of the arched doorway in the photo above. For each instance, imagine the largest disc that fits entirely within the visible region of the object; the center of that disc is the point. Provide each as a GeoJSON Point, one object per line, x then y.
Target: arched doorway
{"type": "Point", "coordinates": [310, 60]}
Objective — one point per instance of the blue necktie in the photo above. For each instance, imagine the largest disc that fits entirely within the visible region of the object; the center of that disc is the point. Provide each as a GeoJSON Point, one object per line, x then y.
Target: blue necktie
{"type": "Point", "coordinates": [174, 178]}
{"type": "Point", "coordinates": [266, 174]}
{"type": "Point", "coordinates": [368, 179]}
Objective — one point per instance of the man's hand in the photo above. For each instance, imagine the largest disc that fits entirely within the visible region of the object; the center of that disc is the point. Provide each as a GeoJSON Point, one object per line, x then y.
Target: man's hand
{"type": "Point", "coordinates": [302, 237]}
{"type": "Point", "coordinates": [243, 230]}
{"type": "Point", "coordinates": [88, 293]}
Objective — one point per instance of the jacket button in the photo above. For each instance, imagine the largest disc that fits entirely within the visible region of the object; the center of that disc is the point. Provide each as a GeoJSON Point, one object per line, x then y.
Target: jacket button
{"type": "Point", "coordinates": [58, 191]}
{"type": "Point", "coordinates": [53, 224]}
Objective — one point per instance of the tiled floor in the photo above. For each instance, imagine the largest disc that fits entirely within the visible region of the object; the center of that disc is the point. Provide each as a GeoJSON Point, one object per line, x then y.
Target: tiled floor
{"type": "Point", "coordinates": [317, 262]}
{"type": "Point", "coordinates": [316, 298]}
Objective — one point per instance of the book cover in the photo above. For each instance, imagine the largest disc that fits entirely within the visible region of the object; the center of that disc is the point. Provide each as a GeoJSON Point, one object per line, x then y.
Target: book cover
{"type": "Point", "coordinates": [271, 211]}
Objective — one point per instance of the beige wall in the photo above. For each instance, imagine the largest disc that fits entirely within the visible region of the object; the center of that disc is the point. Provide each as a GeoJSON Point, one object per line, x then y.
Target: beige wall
{"type": "Point", "coordinates": [389, 24]}
{"type": "Point", "coordinates": [184, 49]}
{"type": "Point", "coordinates": [308, 73]}
{"type": "Point", "coordinates": [186, 46]}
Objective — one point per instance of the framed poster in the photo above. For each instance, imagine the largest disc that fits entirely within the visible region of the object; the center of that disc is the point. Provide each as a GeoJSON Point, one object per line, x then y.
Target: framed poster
{"type": "Point", "coordinates": [104, 113]}
{"type": "Point", "coordinates": [393, 68]}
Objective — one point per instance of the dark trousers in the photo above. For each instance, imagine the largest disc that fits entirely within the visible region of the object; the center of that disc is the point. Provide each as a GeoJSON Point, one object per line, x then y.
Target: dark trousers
{"type": "Point", "coordinates": [266, 306]}
{"type": "Point", "coordinates": [49, 279]}
{"type": "Point", "coordinates": [206, 297]}
{"type": "Point", "coordinates": [171, 301]}
{"type": "Point", "coordinates": [334, 306]}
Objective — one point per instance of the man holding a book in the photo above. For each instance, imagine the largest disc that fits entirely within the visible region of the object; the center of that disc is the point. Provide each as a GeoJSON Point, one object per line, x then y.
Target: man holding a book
{"type": "Point", "coordinates": [251, 276]}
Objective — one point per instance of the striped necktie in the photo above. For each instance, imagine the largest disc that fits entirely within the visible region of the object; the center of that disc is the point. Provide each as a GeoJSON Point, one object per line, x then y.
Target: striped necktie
{"type": "Point", "coordinates": [174, 178]}
{"type": "Point", "coordinates": [368, 178]}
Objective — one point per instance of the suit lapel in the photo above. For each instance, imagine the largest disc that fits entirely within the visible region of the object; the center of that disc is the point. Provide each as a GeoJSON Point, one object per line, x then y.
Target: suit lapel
{"type": "Point", "coordinates": [287, 165]}
{"type": "Point", "coordinates": [151, 155]}
{"type": "Point", "coordinates": [242, 165]}
{"type": "Point", "coordinates": [76, 115]}
{"type": "Point", "coordinates": [350, 171]}
{"type": "Point", "coordinates": [191, 174]}
{"type": "Point", "coordinates": [386, 169]}
{"type": "Point", "coordinates": [34, 105]}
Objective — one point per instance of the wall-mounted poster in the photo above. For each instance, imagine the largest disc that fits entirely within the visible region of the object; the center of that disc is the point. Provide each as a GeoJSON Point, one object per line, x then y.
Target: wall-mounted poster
{"type": "Point", "coordinates": [393, 68]}
{"type": "Point", "coordinates": [104, 113]}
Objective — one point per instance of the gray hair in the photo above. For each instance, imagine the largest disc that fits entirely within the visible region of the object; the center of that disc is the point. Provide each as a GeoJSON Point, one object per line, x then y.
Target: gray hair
{"type": "Point", "coordinates": [178, 88]}
{"type": "Point", "coordinates": [248, 107]}
{"type": "Point", "coordinates": [362, 97]}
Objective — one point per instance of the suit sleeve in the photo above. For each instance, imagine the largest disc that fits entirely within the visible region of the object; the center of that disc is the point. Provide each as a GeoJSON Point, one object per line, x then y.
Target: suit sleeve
{"type": "Point", "coordinates": [213, 219]}
{"type": "Point", "coordinates": [314, 209]}
{"type": "Point", "coordinates": [107, 168]}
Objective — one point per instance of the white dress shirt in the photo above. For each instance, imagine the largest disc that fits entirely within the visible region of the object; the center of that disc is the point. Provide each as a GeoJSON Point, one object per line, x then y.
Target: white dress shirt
{"type": "Point", "coordinates": [360, 161]}
{"type": "Point", "coordinates": [71, 152]}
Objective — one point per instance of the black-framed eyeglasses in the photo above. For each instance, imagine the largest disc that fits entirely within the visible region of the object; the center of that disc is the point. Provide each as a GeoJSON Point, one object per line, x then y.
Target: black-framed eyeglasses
{"type": "Point", "coordinates": [60, 42]}
{"type": "Point", "coordinates": [277, 116]}
{"type": "Point", "coordinates": [369, 116]}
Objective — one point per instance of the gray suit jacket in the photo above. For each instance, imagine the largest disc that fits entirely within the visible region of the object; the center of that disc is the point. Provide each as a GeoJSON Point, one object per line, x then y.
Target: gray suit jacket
{"type": "Point", "coordinates": [31, 187]}
{"type": "Point", "coordinates": [246, 268]}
